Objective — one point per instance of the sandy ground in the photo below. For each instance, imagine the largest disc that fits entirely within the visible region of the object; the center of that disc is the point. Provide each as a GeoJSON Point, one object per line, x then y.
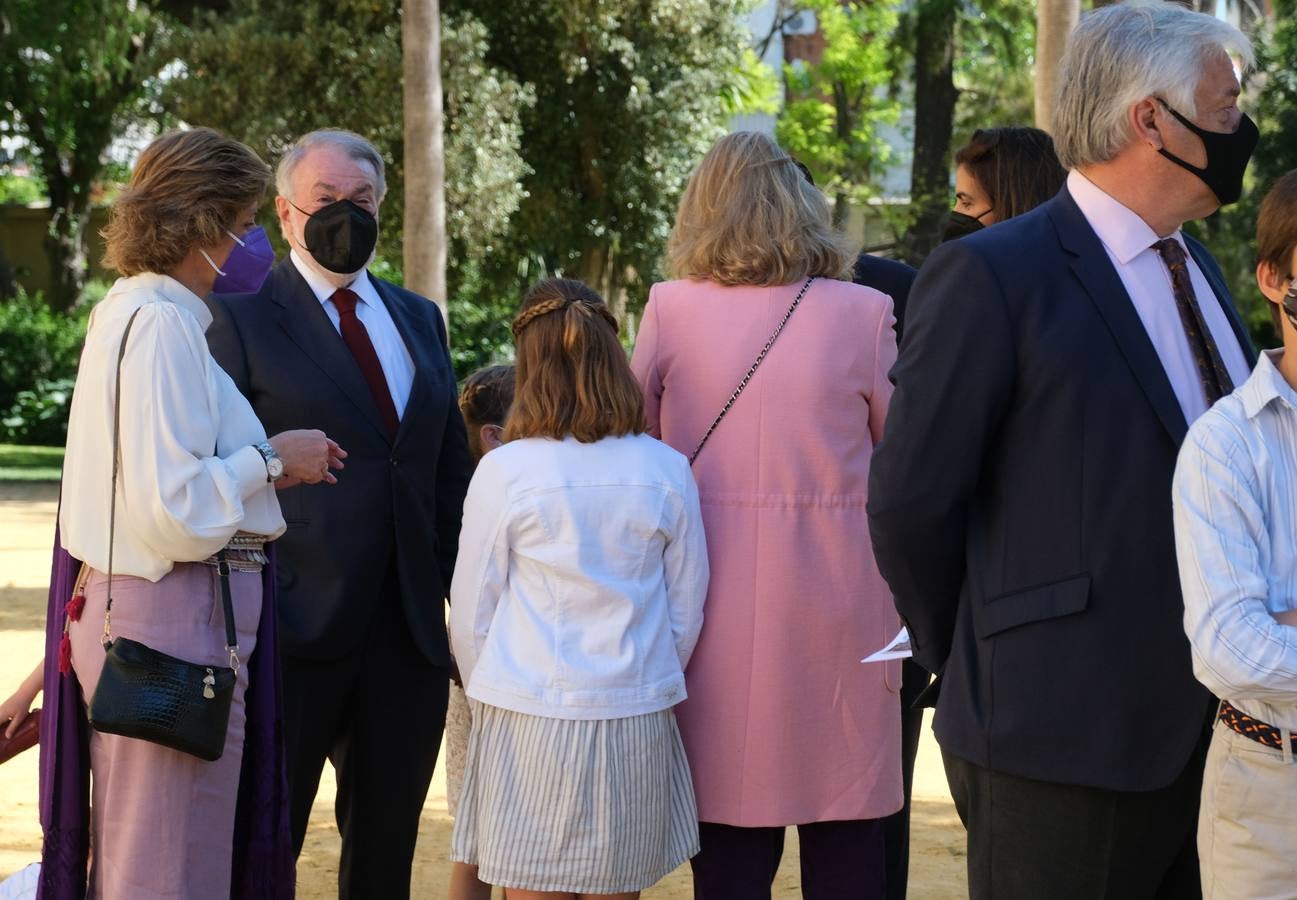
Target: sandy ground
{"type": "Point", "coordinates": [26, 529]}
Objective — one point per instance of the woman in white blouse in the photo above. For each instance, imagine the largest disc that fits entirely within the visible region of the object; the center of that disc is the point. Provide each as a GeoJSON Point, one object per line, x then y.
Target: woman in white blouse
{"type": "Point", "coordinates": [576, 603]}
{"type": "Point", "coordinates": [197, 475]}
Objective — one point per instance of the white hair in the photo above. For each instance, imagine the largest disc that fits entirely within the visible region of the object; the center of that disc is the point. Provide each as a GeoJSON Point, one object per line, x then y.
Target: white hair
{"type": "Point", "coordinates": [355, 146]}
{"type": "Point", "coordinates": [1119, 55]}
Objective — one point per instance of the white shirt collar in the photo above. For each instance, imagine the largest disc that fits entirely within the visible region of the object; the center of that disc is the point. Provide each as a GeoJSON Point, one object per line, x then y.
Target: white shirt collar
{"type": "Point", "coordinates": [172, 290]}
{"type": "Point", "coordinates": [1266, 384]}
{"type": "Point", "coordinates": [1120, 229]}
{"type": "Point", "coordinates": [324, 291]}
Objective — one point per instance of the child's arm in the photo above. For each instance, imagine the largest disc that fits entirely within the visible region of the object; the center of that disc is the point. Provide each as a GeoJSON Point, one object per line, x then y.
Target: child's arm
{"type": "Point", "coordinates": [1240, 651]}
{"type": "Point", "coordinates": [687, 572]}
{"type": "Point", "coordinates": [15, 709]}
{"type": "Point", "coordinates": [1287, 618]}
{"type": "Point", "coordinates": [482, 567]}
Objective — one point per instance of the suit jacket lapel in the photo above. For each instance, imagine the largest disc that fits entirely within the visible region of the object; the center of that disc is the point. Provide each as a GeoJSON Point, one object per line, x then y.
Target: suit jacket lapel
{"type": "Point", "coordinates": [1207, 266]}
{"type": "Point", "coordinates": [1094, 270]}
{"type": "Point", "coordinates": [416, 335]}
{"type": "Point", "coordinates": [307, 324]}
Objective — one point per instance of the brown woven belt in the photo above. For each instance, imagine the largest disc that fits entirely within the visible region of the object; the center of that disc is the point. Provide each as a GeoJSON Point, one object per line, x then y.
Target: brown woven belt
{"type": "Point", "coordinates": [1239, 721]}
{"type": "Point", "coordinates": [246, 552]}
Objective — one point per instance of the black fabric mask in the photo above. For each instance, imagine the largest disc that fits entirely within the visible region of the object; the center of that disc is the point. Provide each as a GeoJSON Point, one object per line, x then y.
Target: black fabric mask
{"type": "Point", "coordinates": [340, 236]}
{"type": "Point", "coordinates": [1227, 156]}
{"type": "Point", "coordinates": [1289, 302]}
{"type": "Point", "coordinates": [960, 225]}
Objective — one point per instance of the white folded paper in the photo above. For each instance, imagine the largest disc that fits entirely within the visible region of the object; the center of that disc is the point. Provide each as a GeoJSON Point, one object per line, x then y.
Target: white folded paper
{"type": "Point", "coordinates": [897, 648]}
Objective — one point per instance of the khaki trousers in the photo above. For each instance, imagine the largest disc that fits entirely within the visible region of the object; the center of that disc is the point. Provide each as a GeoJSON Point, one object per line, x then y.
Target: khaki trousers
{"type": "Point", "coordinates": [1247, 823]}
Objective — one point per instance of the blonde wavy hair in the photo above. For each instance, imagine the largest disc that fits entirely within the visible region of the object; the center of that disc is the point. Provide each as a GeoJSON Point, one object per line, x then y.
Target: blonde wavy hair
{"type": "Point", "coordinates": [186, 189]}
{"type": "Point", "coordinates": [749, 216]}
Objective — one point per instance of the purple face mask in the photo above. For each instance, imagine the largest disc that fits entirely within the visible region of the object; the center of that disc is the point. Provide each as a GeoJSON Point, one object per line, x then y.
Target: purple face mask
{"type": "Point", "coordinates": [247, 265]}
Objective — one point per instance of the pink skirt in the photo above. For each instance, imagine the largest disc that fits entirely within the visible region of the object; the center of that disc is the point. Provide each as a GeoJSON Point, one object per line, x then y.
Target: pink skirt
{"type": "Point", "coordinates": [162, 821]}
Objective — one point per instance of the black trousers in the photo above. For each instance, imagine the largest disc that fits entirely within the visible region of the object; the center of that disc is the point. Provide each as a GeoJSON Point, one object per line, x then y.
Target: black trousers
{"type": "Point", "coordinates": [896, 827]}
{"type": "Point", "coordinates": [840, 861]}
{"type": "Point", "coordinates": [378, 715]}
{"type": "Point", "coordinates": [1033, 839]}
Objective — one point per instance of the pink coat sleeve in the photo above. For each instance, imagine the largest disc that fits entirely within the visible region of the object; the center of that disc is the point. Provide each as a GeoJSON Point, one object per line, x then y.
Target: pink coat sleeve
{"type": "Point", "coordinates": [644, 363]}
{"type": "Point", "coordinates": [880, 396]}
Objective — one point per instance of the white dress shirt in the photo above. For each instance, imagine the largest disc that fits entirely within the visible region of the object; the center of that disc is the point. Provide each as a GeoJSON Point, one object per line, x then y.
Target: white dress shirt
{"type": "Point", "coordinates": [393, 355]}
{"type": "Point", "coordinates": [582, 571]}
{"type": "Point", "coordinates": [1235, 494]}
{"type": "Point", "coordinates": [190, 477]}
{"type": "Point", "coordinates": [1129, 241]}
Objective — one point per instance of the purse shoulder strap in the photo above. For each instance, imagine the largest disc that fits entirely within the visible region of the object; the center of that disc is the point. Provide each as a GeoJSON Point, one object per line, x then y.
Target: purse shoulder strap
{"type": "Point", "coordinates": [753, 369]}
{"type": "Point", "coordinates": [231, 635]}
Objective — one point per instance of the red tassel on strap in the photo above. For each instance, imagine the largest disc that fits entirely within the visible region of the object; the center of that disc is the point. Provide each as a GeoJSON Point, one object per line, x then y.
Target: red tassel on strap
{"type": "Point", "coordinates": [65, 654]}
{"type": "Point", "coordinates": [75, 606]}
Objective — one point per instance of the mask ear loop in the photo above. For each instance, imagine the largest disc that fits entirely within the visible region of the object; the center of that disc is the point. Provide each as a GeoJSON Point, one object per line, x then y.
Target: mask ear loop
{"type": "Point", "coordinates": [214, 266]}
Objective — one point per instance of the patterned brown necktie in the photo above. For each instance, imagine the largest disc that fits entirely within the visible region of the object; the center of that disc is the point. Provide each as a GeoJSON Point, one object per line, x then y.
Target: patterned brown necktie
{"type": "Point", "coordinates": [357, 340]}
{"type": "Point", "coordinates": [1215, 379]}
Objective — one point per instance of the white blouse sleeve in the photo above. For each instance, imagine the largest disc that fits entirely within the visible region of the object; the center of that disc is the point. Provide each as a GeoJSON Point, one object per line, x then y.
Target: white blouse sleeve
{"type": "Point", "coordinates": [175, 494]}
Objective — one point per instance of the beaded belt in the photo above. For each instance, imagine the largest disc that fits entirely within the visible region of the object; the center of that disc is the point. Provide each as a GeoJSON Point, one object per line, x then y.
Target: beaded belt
{"type": "Point", "coordinates": [246, 552]}
{"type": "Point", "coordinates": [1239, 721]}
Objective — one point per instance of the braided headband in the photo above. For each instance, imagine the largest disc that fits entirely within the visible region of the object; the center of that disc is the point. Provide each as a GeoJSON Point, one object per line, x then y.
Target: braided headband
{"type": "Point", "coordinates": [527, 316]}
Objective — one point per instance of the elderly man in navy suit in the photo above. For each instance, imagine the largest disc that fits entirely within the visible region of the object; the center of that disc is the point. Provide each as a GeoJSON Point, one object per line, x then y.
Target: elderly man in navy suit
{"type": "Point", "coordinates": [1020, 502]}
{"type": "Point", "coordinates": [365, 565]}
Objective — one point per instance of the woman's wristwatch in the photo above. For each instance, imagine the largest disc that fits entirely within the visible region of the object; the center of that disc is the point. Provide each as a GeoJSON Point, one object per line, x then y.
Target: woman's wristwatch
{"type": "Point", "coordinates": [274, 465]}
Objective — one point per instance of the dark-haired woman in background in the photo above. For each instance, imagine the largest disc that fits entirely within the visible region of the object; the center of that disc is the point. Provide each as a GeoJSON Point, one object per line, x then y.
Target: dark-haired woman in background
{"type": "Point", "coordinates": [1001, 173]}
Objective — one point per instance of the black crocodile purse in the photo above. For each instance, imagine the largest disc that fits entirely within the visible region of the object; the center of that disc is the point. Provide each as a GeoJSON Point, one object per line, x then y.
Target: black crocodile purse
{"type": "Point", "coordinates": [143, 693]}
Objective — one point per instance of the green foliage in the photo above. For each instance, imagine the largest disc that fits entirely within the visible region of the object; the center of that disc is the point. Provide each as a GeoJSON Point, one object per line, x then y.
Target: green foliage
{"type": "Point", "coordinates": [629, 95]}
{"type": "Point", "coordinates": [73, 75]}
{"type": "Point", "coordinates": [1270, 98]}
{"type": "Point", "coordinates": [22, 189]}
{"type": "Point", "coordinates": [39, 351]}
{"type": "Point", "coordinates": [753, 87]}
{"type": "Point", "coordinates": [994, 55]}
{"type": "Point", "coordinates": [831, 123]}
{"type": "Point", "coordinates": [30, 463]}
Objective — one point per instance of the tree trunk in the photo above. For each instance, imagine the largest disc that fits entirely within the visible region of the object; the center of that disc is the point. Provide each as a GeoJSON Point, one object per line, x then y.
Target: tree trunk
{"type": "Point", "coordinates": [65, 241]}
{"type": "Point", "coordinates": [424, 248]}
{"type": "Point", "coordinates": [934, 115]}
{"type": "Point", "coordinates": [1055, 20]}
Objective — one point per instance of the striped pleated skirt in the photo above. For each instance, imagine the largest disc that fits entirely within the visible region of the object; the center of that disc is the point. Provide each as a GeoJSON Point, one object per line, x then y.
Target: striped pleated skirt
{"type": "Point", "coordinates": [587, 806]}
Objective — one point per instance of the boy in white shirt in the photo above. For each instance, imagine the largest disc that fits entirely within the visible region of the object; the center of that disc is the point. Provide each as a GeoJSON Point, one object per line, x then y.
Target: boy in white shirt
{"type": "Point", "coordinates": [1235, 495]}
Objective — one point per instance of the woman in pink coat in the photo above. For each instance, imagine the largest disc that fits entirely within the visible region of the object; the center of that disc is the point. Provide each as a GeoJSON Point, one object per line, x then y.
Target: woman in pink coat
{"type": "Point", "coordinates": [783, 725]}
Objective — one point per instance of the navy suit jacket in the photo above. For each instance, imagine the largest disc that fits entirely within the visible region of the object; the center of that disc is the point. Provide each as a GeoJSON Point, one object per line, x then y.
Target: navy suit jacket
{"type": "Point", "coordinates": [1020, 508]}
{"type": "Point", "coordinates": [893, 277]}
{"type": "Point", "coordinates": [397, 503]}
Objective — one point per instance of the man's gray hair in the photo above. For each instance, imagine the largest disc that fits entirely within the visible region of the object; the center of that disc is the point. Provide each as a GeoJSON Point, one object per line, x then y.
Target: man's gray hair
{"type": "Point", "coordinates": [349, 142]}
{"type": "Point", "coordinates": [1117, 56]}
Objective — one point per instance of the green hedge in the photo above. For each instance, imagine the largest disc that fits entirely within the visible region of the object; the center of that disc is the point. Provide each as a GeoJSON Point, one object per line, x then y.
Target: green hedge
{"type": "Point", "coordinates": [39, 351]}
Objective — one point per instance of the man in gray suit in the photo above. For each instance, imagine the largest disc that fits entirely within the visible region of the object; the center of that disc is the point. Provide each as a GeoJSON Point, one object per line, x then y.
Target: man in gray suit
{"type": "Point", "coordinates": [365, 565]}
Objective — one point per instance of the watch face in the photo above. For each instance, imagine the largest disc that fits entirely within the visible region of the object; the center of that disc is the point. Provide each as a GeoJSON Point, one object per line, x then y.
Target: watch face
{"type": "Point", "coordinates": [275, 467]}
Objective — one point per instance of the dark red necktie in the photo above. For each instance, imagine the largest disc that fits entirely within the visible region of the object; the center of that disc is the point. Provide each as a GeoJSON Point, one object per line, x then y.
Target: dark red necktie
{"type": "Point", "coordinates": [357, 340]}
{"type": "Point", "coordinates": [1215, 379]}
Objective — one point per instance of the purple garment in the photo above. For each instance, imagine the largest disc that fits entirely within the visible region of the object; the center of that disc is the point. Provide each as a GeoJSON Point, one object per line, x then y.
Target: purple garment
{"type": "Point", "coordinates": [263, 863]}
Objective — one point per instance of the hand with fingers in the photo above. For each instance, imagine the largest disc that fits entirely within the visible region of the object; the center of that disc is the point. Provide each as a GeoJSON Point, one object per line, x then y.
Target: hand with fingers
{"type": "Point", "coordinates": [309, 456]}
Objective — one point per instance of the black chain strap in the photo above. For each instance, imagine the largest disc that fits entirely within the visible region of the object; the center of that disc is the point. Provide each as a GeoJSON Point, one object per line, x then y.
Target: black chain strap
{"type": "Point", "coordinates": [752, 371]}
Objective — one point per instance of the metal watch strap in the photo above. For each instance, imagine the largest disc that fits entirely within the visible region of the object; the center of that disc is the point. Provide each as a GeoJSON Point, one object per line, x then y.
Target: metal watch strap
{"type": "Point", "coordinates": [752, 371]}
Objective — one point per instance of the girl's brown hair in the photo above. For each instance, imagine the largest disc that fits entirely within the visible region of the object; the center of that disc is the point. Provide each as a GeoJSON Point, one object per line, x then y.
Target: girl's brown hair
{"type": "Point", "coordinates": [485, 400]}
{"type": "Point", "coordinates": [186, 191]}
{"type": "Point", "coordinates": [1016, 167]}
{"type": "Point", "coordinates": [749, 216]}
{"type": "Point", "coordinates": [572, 377]}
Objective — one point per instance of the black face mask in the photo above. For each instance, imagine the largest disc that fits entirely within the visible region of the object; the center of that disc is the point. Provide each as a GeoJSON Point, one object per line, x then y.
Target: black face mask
{"type": "Point", "coordinates": [1227, 156]}
{"type": "Point", "coordinates": [961, 224]}
{"type": "Point", "coordinates": [340, 236]}
{"type": "Point", "coordinates": [1289, 301]}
